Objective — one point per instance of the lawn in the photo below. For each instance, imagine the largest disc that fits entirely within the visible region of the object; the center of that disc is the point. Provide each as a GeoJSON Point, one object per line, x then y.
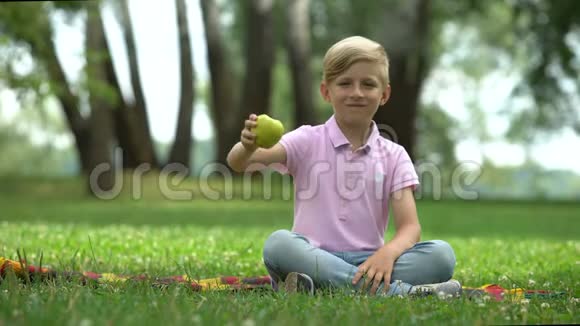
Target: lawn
{"type": "Point", "coordinates": [526, 244]}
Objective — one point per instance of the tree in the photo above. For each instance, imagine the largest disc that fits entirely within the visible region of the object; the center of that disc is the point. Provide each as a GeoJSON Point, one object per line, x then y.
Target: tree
{"type": "Point", "coordinates": [137, 122]}
{"type": "Point", "coordinates": [297, 37]}
{"type": "Point", "coordinates": [548, 32]}
{"type": "Point", "coordinates": [223, 92]}
{"type": "Point", "coordinates": [34, 35]}
{"type": "Point", "coordinates": [256, 86]}
{"type": "Point", "coordinates": [112, 121]}
{"type": "Point", "coordinates": [181, 149]}
{"type": "Point", "coordinates": [538, 37]}
{"type": "Point", "coordinates": [132, 132]}
{"type": "Point", "coordinates": [101, 141]}
{"type": "Point", "coordinates": [436, 132]}
{"type": "Point", "coordinates": [23, 154]}
{"type": "Point", "coordinates": [406, 31]}
{"type": "Point", "coordinates": [138, 109]}
{"type": "Point", "coordinates": [533, 42]}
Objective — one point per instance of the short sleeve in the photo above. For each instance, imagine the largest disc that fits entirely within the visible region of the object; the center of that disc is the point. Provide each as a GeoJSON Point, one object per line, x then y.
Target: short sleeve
{"type": "Point", "coordinates": [297, 145]}
{"type": "Point", "coordinates": [404, 174]}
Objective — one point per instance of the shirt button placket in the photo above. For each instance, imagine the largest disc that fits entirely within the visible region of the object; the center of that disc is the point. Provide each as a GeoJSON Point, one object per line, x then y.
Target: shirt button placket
{"type": "Point", "coordinates": [342, 213]}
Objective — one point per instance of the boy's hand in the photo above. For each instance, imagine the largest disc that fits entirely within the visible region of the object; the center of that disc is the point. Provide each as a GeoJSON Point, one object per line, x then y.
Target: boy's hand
{"type": "Point", "coordinates": [248, 138]}
{"type": "Point", "coordinates": [376, 269]}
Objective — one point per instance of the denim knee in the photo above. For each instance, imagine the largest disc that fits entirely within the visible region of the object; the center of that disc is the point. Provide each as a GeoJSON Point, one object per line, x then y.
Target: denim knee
{"type": "Point", "coordinates": [443, 259]}
{"type": "Point", "coordinates": [276, 245]}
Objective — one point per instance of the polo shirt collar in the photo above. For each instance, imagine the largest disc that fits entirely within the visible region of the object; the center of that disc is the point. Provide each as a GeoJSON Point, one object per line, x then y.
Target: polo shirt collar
{"type": "Point", "coordinates": [338, 139]}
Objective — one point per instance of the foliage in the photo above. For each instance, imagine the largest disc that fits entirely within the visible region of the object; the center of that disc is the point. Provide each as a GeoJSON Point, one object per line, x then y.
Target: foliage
{"type": "Point", "coordinates": [436, 133]}
{"type": "Point", "coordinates": [21, 157]}
{"type": "Point", "coordinates": [31, 140]}
{"type": "Point", "coordinates": [26, 46]}
{"type": "Point", "coordinates": [282, 90]}
{"type": "Point", "coordinates": [536, 41]}
{"type": "Point", "coordinates": [529, 180]}
{"type": "Point", "coordinates": [550, 33]}
{"type": "Point", "coordinates": [333, 20]}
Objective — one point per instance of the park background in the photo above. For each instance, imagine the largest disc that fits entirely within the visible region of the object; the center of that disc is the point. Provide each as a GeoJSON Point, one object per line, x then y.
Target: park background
{"type": "Point", "coordinates": [489, 89]}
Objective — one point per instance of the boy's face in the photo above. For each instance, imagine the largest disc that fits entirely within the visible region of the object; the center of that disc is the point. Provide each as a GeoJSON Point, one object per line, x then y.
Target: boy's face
{"type": "Point", "coordinates": [357, 93]}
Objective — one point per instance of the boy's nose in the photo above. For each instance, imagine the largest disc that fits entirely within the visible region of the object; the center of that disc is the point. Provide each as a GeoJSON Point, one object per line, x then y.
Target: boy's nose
{"type": "Point", "coordinates": [356, 91]}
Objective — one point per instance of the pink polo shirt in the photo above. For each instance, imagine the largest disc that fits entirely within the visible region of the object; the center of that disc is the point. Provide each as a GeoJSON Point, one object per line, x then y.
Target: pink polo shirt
{"type": "Point", "coordinates": [341, 198]}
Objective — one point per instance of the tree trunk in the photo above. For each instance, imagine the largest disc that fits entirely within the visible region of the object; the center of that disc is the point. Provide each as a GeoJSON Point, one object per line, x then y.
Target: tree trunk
{"type": "Point", "coordinates": [136, 114]}
{"type": "Point", "coordinates": [223, 92]}
{"type": "Point", "coordinates": [257, 84]}
{"type": "Point", "coordinates": [181, 149]}
{"type": "Point", "coordinates": [406, 41]}
{"type": "Point", "coordinates": [101, 126]}
{"type": "Point", "coordinates": [124, 118]}
{"type": "Point", "coordinates": [298, 46]}
{"type": "Point", "coordinates": [69, 103]}
{"type": "Point", "coordinates": [45, 52]}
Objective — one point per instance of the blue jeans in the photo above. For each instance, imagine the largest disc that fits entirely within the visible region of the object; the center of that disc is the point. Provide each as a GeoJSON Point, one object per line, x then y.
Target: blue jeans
{"type": "Point", "coordinates": [426, 262]}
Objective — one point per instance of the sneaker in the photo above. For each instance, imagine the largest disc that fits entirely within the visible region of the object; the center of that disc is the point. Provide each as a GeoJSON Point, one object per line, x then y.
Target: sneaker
{"type": "Point", "coordinates": [298, 282]}
{"type": "Point", "coordinates": [449, 289]}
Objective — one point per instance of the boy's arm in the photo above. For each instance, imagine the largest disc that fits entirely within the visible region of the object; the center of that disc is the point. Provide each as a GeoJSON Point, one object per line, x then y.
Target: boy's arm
{"type": "Point", "coordinates": [408, 229]}
{"type": "Point", "coordinates": [379, 266]}
{"type": "Point", "coordinates": [247, 156]}
{"type": "Point", "coordinates": [240, 159]}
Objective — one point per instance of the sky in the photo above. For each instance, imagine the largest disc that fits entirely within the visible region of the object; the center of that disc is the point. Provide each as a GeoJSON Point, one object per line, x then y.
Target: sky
{"type": "Point", "coordinates": [157, 48]}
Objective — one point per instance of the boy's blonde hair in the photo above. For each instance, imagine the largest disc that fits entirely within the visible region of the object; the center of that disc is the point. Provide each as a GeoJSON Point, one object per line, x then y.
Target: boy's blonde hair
{"type": "Point", "coordinates": [350, 50]}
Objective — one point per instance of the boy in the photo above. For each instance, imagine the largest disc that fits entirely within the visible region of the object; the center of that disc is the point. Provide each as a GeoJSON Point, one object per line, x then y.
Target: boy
{"type": "Point", "coordinates": [345, 177]}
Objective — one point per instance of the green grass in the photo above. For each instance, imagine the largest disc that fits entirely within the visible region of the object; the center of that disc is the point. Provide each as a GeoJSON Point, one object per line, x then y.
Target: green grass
{"type": "Point", "coordinates": [495, 242]}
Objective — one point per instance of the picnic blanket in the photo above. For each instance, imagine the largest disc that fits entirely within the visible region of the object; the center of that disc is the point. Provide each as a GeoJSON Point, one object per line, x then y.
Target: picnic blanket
{"type": "Point", "coordinates": [30, 273]}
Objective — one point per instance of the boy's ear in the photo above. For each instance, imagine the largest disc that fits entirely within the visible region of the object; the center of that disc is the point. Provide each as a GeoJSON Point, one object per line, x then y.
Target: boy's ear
{"type": "Point", "coordinates": [386, 95]}
{"type": "Point", "coordinates": [324, 92]}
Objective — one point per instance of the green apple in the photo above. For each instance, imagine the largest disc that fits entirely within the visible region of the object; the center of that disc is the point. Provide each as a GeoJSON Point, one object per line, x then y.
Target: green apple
{"type": "Point", "coordinates": [268, 131]}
